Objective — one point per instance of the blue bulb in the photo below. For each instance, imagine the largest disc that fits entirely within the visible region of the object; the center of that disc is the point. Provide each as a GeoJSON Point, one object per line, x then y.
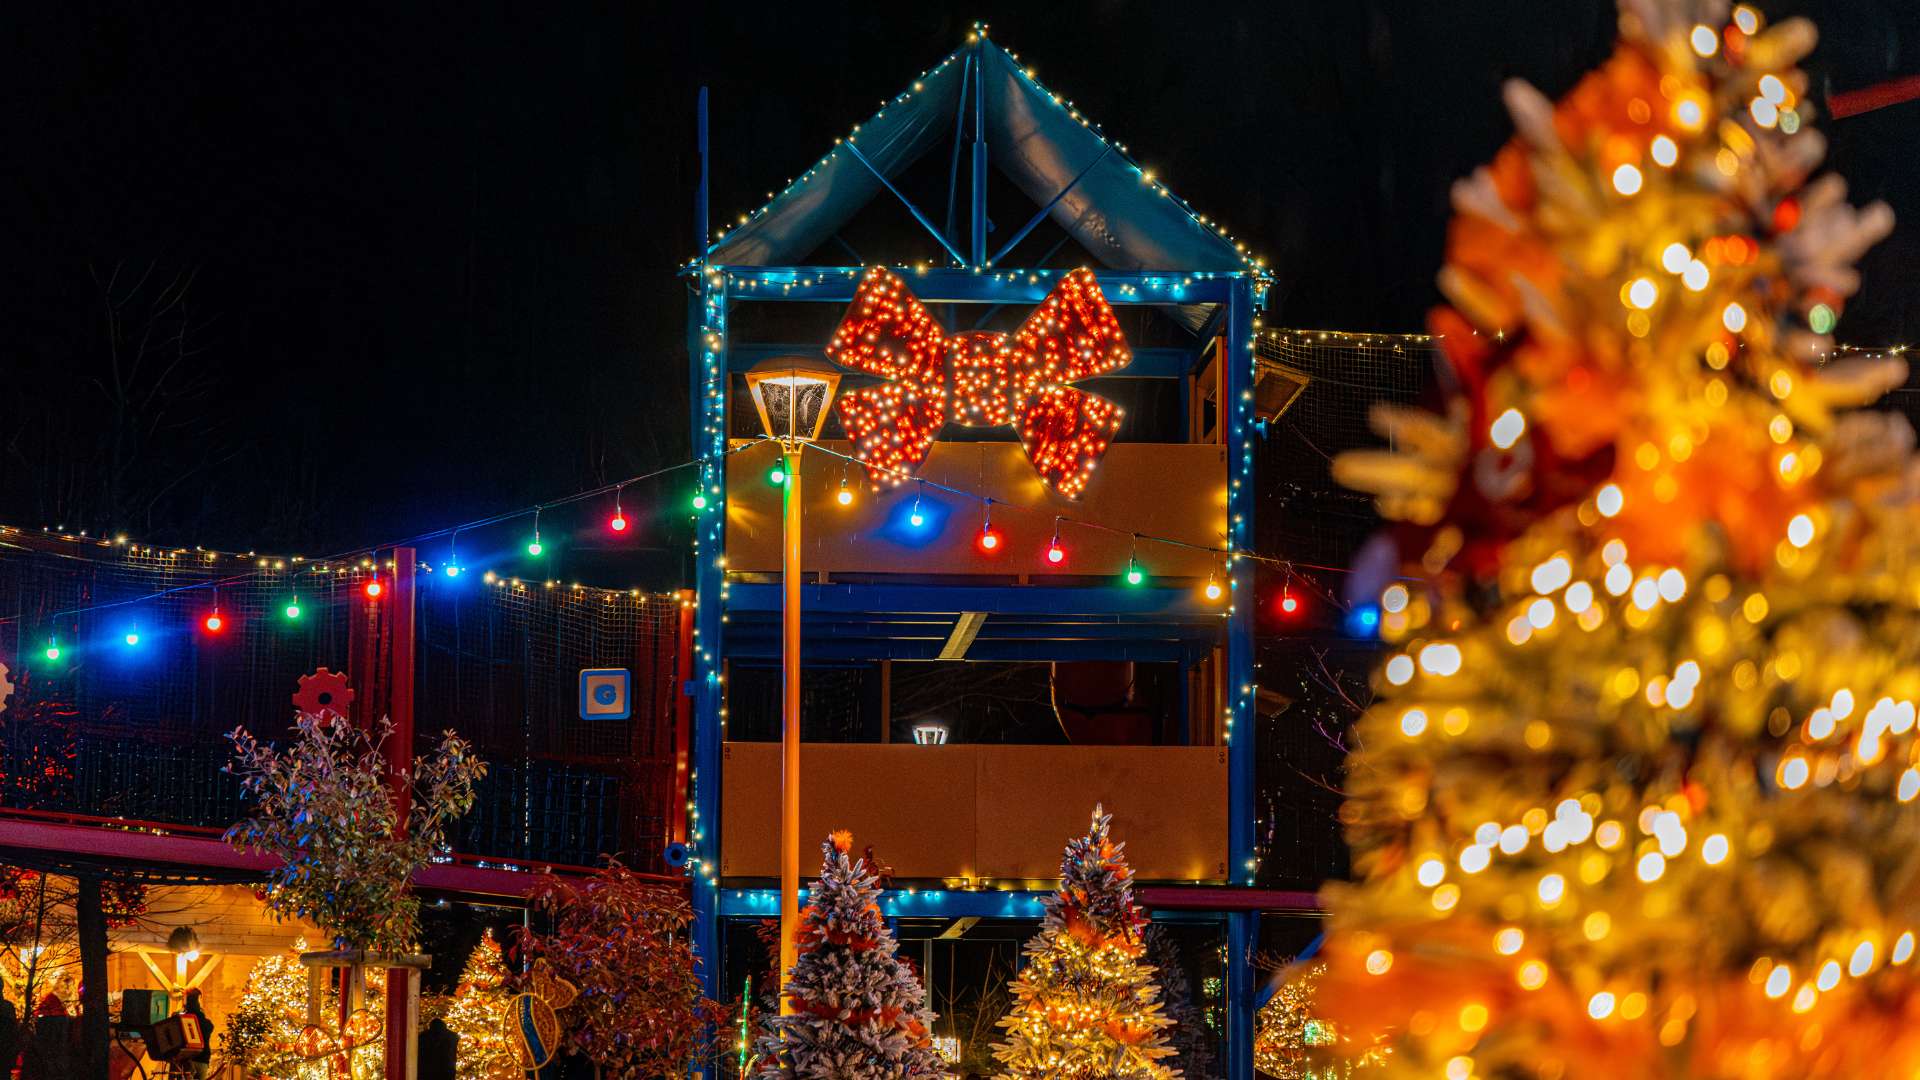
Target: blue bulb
{"type": "Point", "coordinates": [916, 520]}
{"type": "Point", "coordinates": [453, 571]}
{"type": "Point", "coordinates": [1364, 621]}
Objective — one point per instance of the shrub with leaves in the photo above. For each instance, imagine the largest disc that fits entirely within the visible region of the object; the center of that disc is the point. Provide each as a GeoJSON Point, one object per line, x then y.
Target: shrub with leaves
{"type": "Point", "coordinates": [325, 808]}
{"type": "Point", "coordinates": [623, 941]}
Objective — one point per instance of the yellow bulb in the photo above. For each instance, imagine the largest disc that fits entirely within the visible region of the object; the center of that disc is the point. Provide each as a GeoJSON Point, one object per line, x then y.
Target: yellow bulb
{"type": "Point", "coordinates": [1800, 531]}
{"type": "Point", "coordinates": [1473, 1017]}
{"type": "Point", "coordinates": [1507, 429]}
{"type": "Point", "coordinates": [1675, 258]}
{"type": "Point", "coordinates": [845, 497]}
{"type": "Point", "coordinates": [1600, 1005]}
{"type": "Point", "coordinates": [1773, 90]}
{"type": "Point", "coordinates": [1413, 722]}
{"type": "Point", "coordinates": [1642, 293]}
{"type": "Point", "coordinates": [1509, 940]}
{"type": "Point", "coordinates": [1704, 41]}
{"type": "Point", "coordinates": [1695, 278]}
{"type": "Point", "coordinates": [1597, 925]}
{"type": "Point", "coordinates": [1627, 180]}
{"type": "Point", "coordinates": [1532, 975]}
{"type": "Point", "coordinates": [1734, 318]}
{"type": "Point", "coordinates": [1779, 980]}
{"type": "Point", "coordinates": [1610, 500]}
{"type": "Point", "coordinates": [1379, 962]}
{"type": "Point", "coordinates": [1665, 151]}
{"type": "Point", "coordinates": [1689, 114]}
{"type": "Point", "coordinates": [1440, 658]}
{"type": "Point", "coordinates": [1714, 849]}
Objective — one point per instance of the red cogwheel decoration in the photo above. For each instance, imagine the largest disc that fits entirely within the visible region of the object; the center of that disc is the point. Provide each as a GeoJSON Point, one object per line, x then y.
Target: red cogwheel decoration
{"type": "Point", "coordinates": [324, 693]}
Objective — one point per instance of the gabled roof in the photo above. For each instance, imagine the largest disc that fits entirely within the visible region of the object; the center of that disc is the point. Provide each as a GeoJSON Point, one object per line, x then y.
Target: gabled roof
{"type": "Point", "coordinates": [1035, 137]}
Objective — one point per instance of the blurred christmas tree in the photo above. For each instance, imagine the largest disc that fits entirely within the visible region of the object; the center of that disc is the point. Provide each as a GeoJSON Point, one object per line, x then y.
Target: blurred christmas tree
{"type": "Point", "coordinates": [1192, 1040]}
{"type": "Point", "coordinates": [479, 1014]}
{"type": "Point", "coordinates": [1086, 1006]}
{"type": "Point", "coordinates": [264, 1029]}
{"type": "Point", "coordinates": [859, 1013]}
{"type": "Point", "coordinates": [1636, 797]}
{"type": "Point", "coordinates": [1292, 1042]}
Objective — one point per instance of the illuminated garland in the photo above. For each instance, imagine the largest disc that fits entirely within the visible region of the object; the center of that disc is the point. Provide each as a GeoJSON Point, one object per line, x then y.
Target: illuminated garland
{"type": "Point", "coordinates": [1638, 796]}
{"type": "Point", "coordinates": [980, 378]}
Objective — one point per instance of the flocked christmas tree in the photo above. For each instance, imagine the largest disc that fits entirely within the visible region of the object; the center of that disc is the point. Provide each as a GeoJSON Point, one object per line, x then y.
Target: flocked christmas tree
{"type": "Point", "coordinates": [1637, 795]}
{"type": "Point", "coordinates": [859, 1012]}
{"type": "Point", "coordinates": [1192, 1040]}
{"type": "Point", "coordinates": [479, 1012]}
{"type": "Point", "coordinates": [1086, 1006]}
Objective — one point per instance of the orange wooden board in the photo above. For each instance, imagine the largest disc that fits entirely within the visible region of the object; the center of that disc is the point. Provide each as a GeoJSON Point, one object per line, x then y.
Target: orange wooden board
{"type": "Point", "coordinates": [1000, 812]}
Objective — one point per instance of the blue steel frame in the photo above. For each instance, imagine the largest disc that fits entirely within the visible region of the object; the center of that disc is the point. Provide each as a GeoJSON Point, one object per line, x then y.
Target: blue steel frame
{"type": "Point", "coordinates": [713, 358]}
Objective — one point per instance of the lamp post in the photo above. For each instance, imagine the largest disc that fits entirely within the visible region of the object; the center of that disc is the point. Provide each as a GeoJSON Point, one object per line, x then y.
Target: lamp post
{"type": "Point", "coordinates": [791, 395]}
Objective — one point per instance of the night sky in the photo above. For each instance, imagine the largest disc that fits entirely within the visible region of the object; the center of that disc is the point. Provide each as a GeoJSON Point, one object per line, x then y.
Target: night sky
{"type": "Point", "coordinates": [434, 250]}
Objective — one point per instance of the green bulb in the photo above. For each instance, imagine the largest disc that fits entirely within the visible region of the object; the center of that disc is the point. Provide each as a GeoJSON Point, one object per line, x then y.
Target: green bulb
{"type": "Point", "coordinates": [777, 476]}
{"type": "Point", "coordinates": [53, 652]}
{"type": "Point", "coordinates": [293, 610]}
{"type": "Point", "coordinates": [1821, 319]}
{"type": "Point", "coordinates": [535, 548]}
{"type": "Point", "coordinates": [1134, 576]}
{"type": "Point", "coordinates": [699, 502]}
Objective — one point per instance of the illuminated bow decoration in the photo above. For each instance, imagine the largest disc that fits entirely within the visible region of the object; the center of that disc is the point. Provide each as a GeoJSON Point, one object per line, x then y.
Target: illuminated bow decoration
{"type": "Point", "coordinates": [980, 378]}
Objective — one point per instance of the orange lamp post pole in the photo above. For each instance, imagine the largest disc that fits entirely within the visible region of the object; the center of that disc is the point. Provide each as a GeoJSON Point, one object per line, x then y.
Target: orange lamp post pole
{"type": "Point", "coordinates": [790, 723]}
{"type": "Point", "coordinates": [792, 395]}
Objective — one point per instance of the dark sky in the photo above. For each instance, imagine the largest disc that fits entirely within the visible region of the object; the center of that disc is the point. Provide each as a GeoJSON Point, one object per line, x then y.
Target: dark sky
{"type": "Point", "coordinates": [434, 248]}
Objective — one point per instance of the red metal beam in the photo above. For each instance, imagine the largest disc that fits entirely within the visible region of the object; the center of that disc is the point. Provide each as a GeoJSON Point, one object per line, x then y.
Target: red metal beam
{"type": "Point", "coordinates": [1225, 898]}
{"type": "Point", "coordinates": [186, 848]}
{"type": "Point", "coordinates": [1855, 102]}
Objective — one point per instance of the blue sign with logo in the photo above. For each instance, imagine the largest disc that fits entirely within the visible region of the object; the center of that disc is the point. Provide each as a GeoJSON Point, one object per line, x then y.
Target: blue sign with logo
{"type": "Point", "coordinates": [603, 694]}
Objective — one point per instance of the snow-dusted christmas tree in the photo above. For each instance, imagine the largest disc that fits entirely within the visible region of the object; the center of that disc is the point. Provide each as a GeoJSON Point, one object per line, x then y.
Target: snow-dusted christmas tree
{"type": "Point", "coordinates": [1086, 1006]}
{"type": "Point", "coordinates": [859, 1011]}
{"type": "Point", "coordinates": [1192, 1040]}
{"type": "Point", "coordinates": [479, 1014]}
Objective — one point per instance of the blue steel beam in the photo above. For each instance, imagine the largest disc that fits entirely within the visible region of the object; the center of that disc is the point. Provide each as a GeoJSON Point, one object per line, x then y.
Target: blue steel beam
{"type": "Point", "coordinates": [707, 349]}
{"type": "Point", "coordinates": [1037, 218]}
{"type": "Point", "coordinates": [931, 228]}
{"type": "Point", "coordinates": [844, 597]}
{"type": "Point", "coordinates": [903, 903]}
{"type": "Point", "coordinates": [952, 285]}
{"type": "Point", "coordinates": [1242, 926]}
{"type": "Point", "coordinates": [1151, 362]}
{"type": "Point", "coordinates": [959, 130]}
{"type": "Point", "coordinates": [995, 651]}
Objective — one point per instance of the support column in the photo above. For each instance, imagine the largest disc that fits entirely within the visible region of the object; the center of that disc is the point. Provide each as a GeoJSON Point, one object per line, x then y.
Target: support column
{"type": "Point", "coordinates": [706, 343]}
{"type": "Point", "coordinates": [403, 984]}
{"type": "Point", "coordinates": [1235, 418]}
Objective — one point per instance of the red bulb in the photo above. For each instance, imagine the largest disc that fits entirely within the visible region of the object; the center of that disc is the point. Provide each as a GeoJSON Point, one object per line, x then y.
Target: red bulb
{"type": "Point", "coordinates": [214, 623]}
{"type": "Point", "coordinates": [618, 524]}
{"type": "Point", "coordinates": [989, 539]}
{"type": "Point", "coordinates": [1289, 605]}
{"type": "Point", "coordinates": [1056, 554]}
{"type": "Point", "coordinates": [373, 588]}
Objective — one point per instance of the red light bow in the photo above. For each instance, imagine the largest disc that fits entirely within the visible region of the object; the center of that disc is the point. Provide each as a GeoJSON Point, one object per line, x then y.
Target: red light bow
{"type": "Point", "coordinates": [980, 378]}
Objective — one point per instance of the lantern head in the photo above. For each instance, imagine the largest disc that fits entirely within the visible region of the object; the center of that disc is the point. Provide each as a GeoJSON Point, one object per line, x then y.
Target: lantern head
{"type": "Point", "coordinates": [792, 394]}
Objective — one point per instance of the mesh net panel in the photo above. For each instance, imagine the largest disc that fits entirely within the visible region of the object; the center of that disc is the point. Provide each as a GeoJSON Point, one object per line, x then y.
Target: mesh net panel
{"type": "Point", "coordinates": [1302, 512]}
{"type": "Point", "coordinates": [143, 725]}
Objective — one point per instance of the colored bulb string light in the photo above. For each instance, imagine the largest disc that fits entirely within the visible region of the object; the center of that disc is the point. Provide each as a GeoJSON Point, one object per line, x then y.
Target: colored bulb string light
{"type": "Point", "coordinates": [451, 531]}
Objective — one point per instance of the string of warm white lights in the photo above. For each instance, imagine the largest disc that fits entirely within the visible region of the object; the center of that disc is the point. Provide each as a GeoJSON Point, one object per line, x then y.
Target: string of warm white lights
{"type": "Point", "coordinates": [1108, 146]}
{"type": "Point", "coordinates": [368, 553]}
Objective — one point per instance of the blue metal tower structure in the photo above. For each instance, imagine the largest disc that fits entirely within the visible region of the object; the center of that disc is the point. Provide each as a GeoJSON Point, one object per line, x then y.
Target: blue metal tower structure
{"type": "Point", "coordinates": [1148, 249]}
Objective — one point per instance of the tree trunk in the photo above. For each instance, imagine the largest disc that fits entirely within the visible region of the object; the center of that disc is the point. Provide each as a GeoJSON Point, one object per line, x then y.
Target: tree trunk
{"type": "Point", "coordinates": [93, 980]}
